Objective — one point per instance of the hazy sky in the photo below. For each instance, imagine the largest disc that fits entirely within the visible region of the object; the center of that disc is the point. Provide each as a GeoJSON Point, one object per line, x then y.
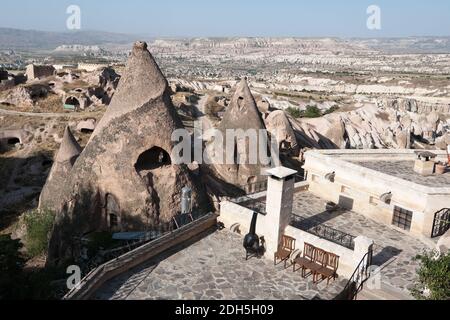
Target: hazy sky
{"type": "Point", "coordinates": [342, 18]}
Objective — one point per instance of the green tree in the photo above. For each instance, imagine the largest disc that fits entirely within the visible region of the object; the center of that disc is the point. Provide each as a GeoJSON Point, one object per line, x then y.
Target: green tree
{"type": "Point", "coordinates": [294, 112]}
{"type": "Point", "coordinates": [312, 112]}
{"type": "Point", "coordinates": [433, 277]}
{"type": "Point", "coordinates": [38, 224]}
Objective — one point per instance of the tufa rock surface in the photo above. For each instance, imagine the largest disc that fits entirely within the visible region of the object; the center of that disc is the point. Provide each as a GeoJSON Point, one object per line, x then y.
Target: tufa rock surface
{"type": "Point", "coordinates": [279, 126]}
{"type": "Point", "coordinates": [125, 179]}
{"type": "Point", "coordinates": [241, 115]}
{"type": "Point", "coordinates": [69, 151]}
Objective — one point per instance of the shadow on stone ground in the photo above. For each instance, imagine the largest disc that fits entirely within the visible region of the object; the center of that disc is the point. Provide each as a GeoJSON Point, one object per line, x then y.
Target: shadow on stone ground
{"type": "Point", "coordinates": [213, 267]}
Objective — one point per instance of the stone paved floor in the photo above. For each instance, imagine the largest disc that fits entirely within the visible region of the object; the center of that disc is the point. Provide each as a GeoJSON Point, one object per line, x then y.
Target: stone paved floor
{"type": "Point", "coordinates": [211, 268]}
{"type": "Point", "coordinates": [405, 171]}
{"type": "Point", "coordinates": [394, 250]}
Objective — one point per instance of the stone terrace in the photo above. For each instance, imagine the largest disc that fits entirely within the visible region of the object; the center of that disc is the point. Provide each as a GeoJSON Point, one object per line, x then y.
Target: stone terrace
{"type": "Point", "coordinates": [394, 250]}
{"type": "Point", "coordinates": [214, 267]}
{"type": "Point", "coordinates": [405, 171]}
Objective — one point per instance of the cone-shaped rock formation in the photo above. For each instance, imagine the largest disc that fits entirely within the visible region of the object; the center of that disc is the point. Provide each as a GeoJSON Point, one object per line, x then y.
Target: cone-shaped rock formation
{"type": "Point", "coordinates": [280, 128]}
{"type": "Point", "coordinates": [243, 116]}
{"type": "Point", "coordinates": [69, 151]}
{"type": "Point", "coordinates": [125, 179]}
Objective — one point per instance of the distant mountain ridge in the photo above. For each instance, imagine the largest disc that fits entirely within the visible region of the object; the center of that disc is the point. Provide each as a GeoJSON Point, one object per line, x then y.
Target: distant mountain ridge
{"type": "Point", "coordinates": [17, 39]}
{"type": "Point", "coordinates": [408, 45]}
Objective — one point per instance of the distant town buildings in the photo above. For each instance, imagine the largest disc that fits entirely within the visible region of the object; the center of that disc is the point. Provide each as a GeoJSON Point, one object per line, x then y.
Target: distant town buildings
{"type": "Point", "coordinates": [89, 67]}
{"type": "Point", "coordinates": [61, 67]}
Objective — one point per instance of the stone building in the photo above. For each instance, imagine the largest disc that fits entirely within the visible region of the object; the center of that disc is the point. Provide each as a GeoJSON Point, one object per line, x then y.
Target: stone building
{"type": "Point", "coordinates": [125, 179]}
{"type": "Point", "coordinates": [89, 67]}
{"type": "Point", "coordinates": [39, 71]}
{"type": "Point", "coordinates": [383, 185]}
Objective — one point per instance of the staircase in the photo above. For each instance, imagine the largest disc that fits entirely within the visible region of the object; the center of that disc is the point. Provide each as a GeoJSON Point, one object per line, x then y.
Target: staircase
{"type": "Point", "coordinates": [386, 292]}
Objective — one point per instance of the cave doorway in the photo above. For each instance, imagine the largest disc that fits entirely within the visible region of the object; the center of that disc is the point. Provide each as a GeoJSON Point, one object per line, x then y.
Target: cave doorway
{"type": "Point", "coordinates": [71, 103]}
{"type": "Point", "coordinates": [154, 168]}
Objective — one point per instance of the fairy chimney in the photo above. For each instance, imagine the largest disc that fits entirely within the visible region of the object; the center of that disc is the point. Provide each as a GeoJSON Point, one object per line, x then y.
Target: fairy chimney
{"type": "Point", "coordinates": [125, 178]}
{"type": "Point", "coordinates": [69, 151]}
{"type": "Point", "coordinates": [242, 116]}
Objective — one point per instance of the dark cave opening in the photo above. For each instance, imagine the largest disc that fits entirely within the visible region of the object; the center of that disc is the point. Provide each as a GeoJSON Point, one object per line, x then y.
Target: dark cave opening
{"type": "Point", "coordinates": [152, 159]}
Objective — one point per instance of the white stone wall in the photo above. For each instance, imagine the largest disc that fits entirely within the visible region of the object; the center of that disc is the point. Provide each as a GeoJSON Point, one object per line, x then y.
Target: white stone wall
{"type": "Point", "coordinates": [232, 214]}
{"type": "Point", "coordinates": [348, 259]}
{"type": "Point", "coordinates": [365, 186]}
{"type": "Point", "coordinates": [89, 67]}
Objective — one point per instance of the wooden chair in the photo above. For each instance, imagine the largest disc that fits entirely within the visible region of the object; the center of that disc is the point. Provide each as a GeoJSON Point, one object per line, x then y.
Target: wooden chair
{"type": "Point", "coordinates": [285, 250]}
{"type": "Point", "coordinates": [305, 262]}
{"type": "Point", "coordinates": [320, 261]}
{"type": "Point", "coordinates": [330, 270]}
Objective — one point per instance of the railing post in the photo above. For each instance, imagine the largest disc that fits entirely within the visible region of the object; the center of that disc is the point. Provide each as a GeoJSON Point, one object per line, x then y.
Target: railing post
{"type": "Point", "coordinates": [363, 245]}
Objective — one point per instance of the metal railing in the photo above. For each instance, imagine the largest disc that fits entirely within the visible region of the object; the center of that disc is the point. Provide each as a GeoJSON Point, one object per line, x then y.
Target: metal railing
{"type": "Point", "coordinates": [361, 274]}
{"type": "Point", "coordinates": [104, 256]}
{"type": "Point", "coordinates": [299, 177]}
{"type": "Point", "coordinates": [323, 231]}
{"type": "Point", "coordinates": [130, 259]}
{"type": "Point", "coordinates": [257, 205]}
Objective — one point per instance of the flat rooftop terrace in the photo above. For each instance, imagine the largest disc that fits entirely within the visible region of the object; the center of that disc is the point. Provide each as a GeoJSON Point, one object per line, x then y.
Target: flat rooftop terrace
{"type": "Point", "coordinates": [213, 267]}
{"type": "Point", "coordinates": [393, 251]}
{"type": "Point", "coordinates": [405, 170]}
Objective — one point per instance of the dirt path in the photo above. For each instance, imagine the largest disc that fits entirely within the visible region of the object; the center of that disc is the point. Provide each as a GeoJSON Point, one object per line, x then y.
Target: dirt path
{"type": "Point", "coordinates": [46, 115]}
{"type": "Point", "coordinates": [201, 107]}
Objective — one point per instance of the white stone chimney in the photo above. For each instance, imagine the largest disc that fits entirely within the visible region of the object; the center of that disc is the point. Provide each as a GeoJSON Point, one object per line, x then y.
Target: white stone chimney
{"type": "Point", "coordinates": [280, 197]}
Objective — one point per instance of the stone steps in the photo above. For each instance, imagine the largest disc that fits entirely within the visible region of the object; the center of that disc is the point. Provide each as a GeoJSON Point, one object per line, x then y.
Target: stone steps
{"type": "Point", "coordinates": [387, 292]}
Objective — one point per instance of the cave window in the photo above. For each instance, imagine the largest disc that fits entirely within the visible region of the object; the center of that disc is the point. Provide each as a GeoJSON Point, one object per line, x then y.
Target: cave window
{"type": "Point", "coordinates": [285, 145]}
{"type": "Point", "coordinates": [112, 212]}
{"type": "Point", "coordinates": [13, 141]}
{"type": "Point", "coordinates": [241, 103]}
{"type": "Point", "coordinates": [236, 153]}
{"type": "Point", "coordinates": [86, 131]}
{"type": "Point", "coordinates": [151, 159]}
